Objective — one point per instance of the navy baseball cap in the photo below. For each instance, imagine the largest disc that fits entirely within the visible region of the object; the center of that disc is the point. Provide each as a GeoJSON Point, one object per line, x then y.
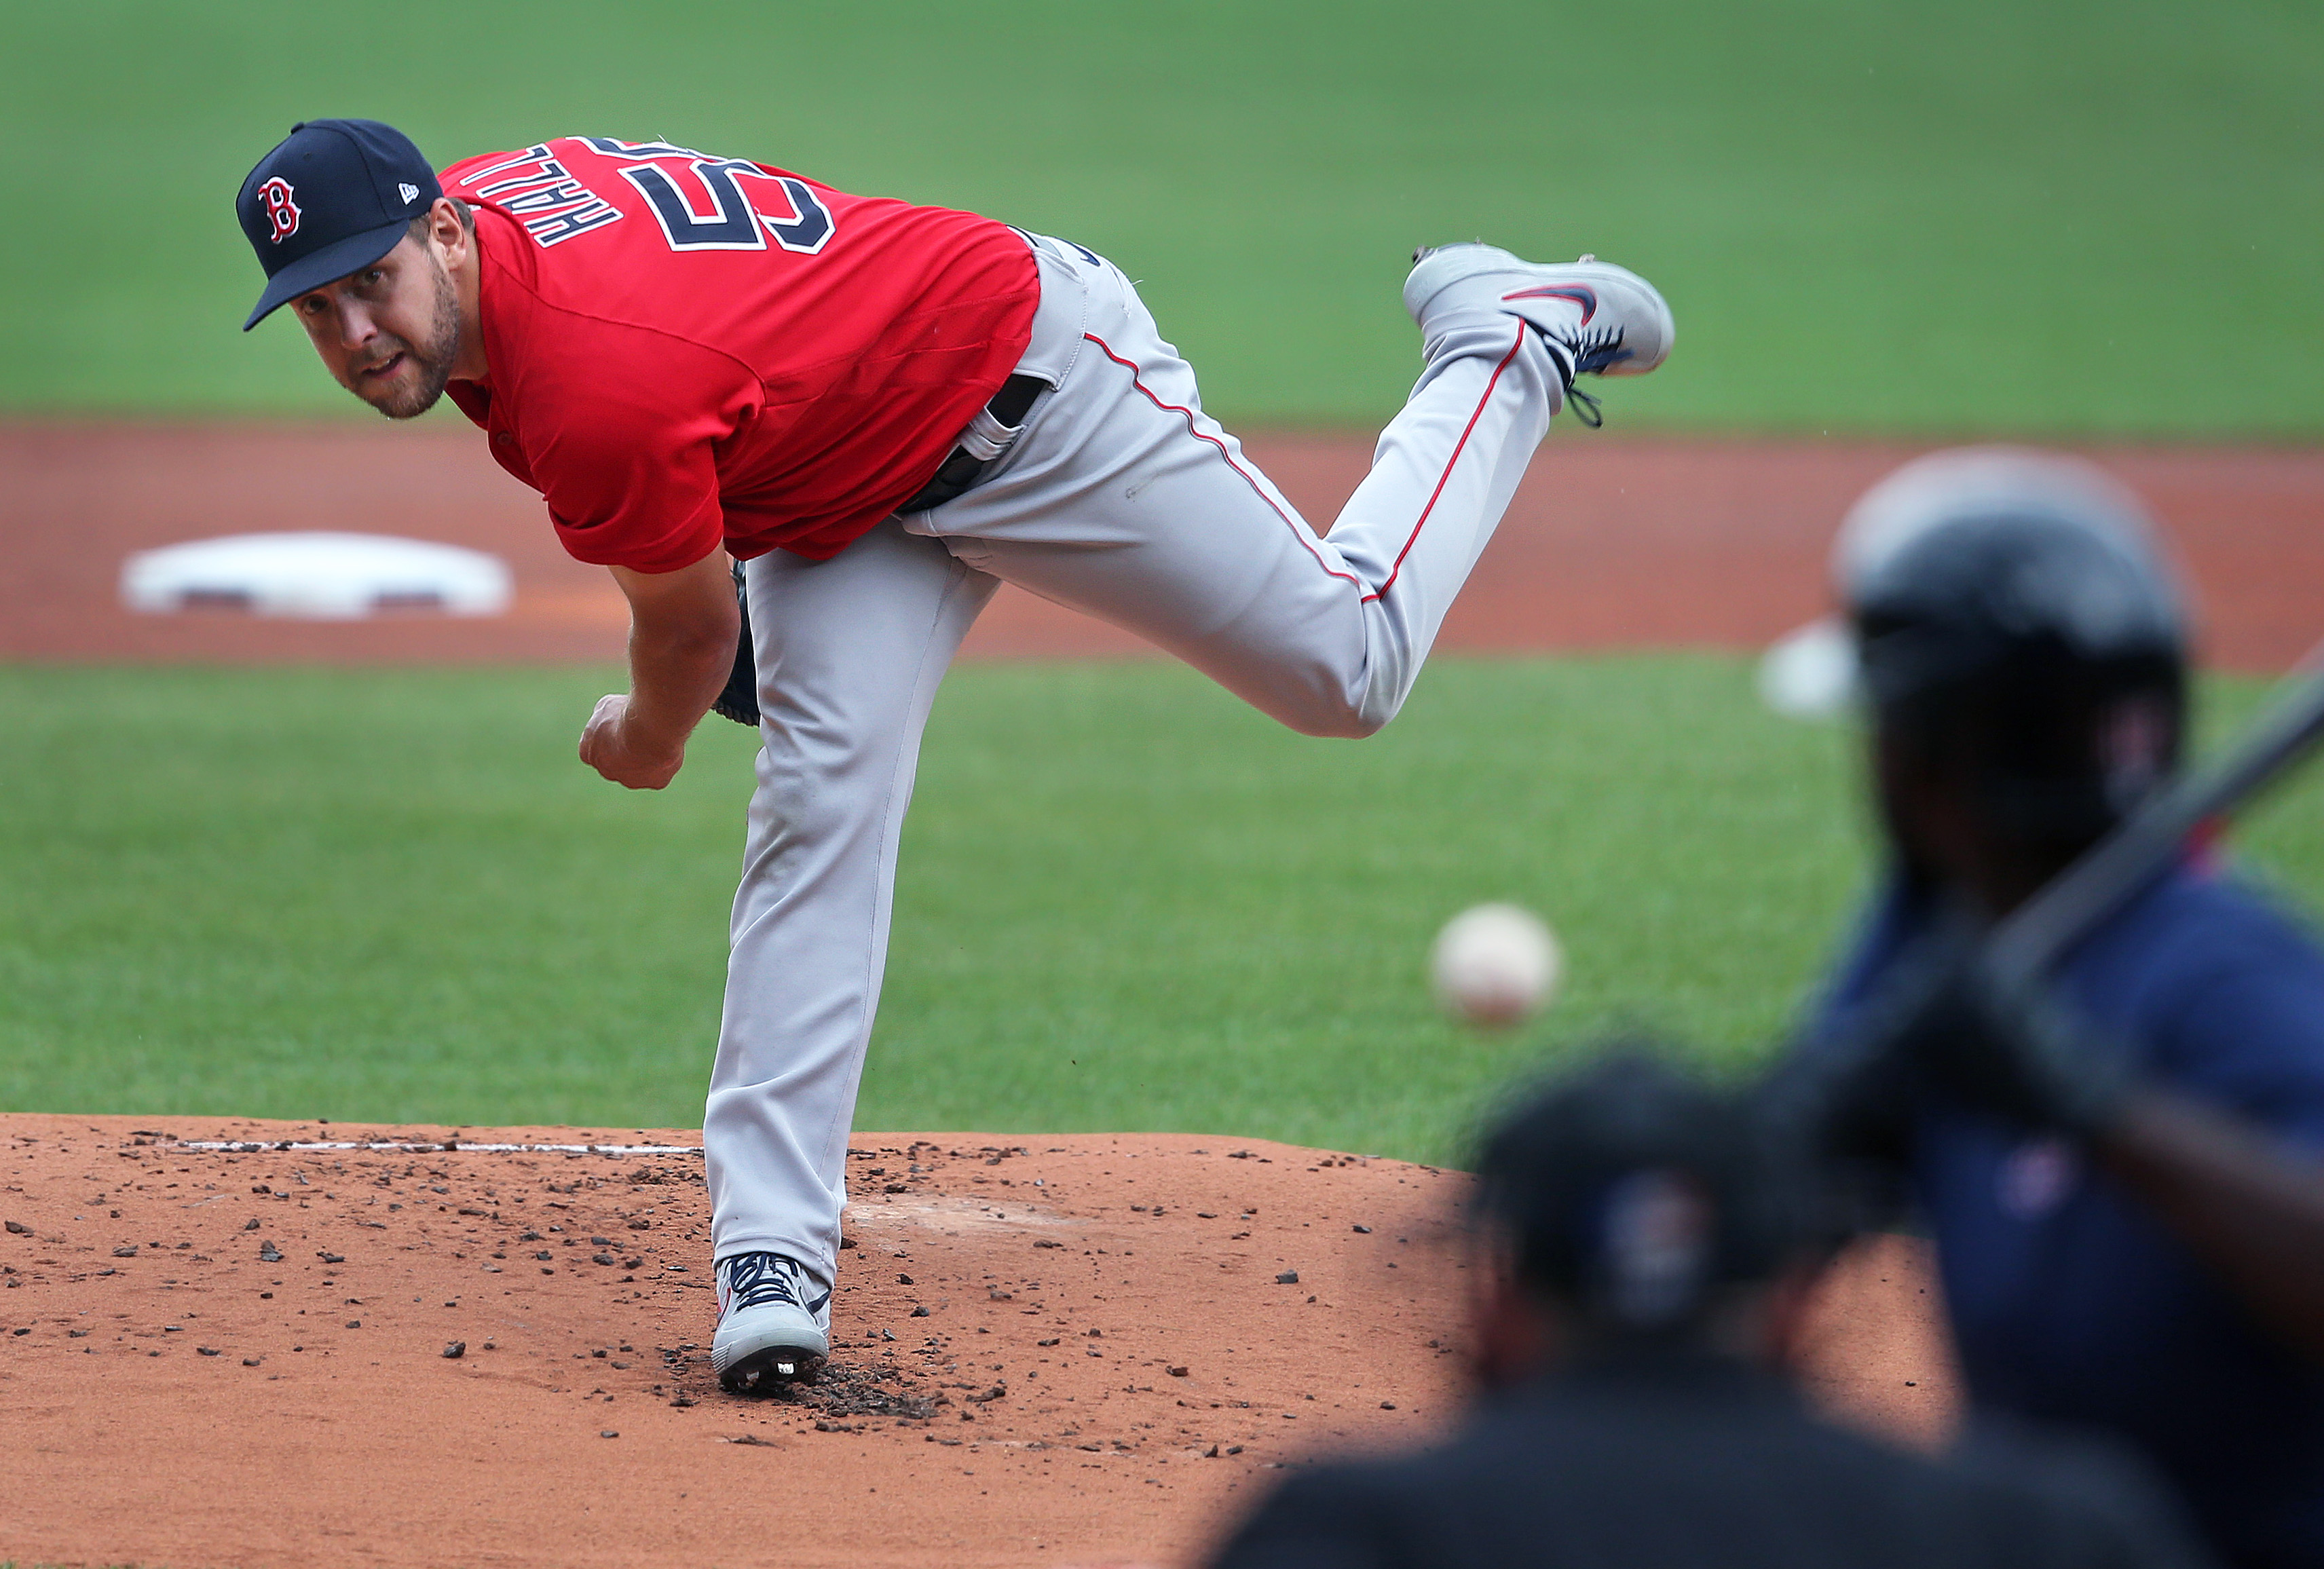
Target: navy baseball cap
{"type": "Point", "coordinates": [334, 196]}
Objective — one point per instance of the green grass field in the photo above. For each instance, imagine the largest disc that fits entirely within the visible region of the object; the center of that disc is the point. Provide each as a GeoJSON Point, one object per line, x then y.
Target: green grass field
{"type": "Point", "coordinates": [1127, 902]}
{"type": "Point", "coordinates": [2035, 215]}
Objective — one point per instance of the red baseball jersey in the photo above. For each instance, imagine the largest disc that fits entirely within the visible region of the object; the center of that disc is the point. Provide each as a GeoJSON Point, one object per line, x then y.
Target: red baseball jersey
{"type": "Point", "coordinates": [687, 350]}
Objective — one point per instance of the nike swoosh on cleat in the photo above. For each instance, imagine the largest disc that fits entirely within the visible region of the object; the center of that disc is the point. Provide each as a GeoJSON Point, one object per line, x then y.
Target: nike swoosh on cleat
{"type": "Point", "coordinates": [1576, 293]}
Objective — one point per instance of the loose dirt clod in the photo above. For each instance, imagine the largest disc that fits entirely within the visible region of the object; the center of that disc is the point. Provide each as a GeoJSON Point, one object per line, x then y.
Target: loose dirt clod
{"type": "Point", "coordinates": [843, 1390]}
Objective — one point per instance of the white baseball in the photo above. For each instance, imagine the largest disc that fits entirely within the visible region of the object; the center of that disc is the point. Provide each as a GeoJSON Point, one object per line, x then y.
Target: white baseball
{"type": "Point", "coordinates": [1810, 672]}
{"type": "Point", "coordinates": [1494, 964]}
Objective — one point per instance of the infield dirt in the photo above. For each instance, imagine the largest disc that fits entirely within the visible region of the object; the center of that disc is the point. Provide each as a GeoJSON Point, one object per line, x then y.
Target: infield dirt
{"type": "Point", "coordinates": [1612, 542]}
{"type": "Point", "coordinates": [1047, 1350]}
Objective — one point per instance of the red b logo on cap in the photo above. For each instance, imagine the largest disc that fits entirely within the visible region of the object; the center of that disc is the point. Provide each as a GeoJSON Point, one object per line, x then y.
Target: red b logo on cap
{"type": "Point", "coordinates": [281, 212]}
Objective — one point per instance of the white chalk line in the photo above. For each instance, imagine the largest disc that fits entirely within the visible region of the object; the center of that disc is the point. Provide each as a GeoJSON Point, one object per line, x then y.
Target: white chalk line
{"type": "Point", "coordinates": [431, 1146]}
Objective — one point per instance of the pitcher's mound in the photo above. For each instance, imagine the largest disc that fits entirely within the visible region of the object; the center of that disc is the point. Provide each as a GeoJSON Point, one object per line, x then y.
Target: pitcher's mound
{"type": "Point", "coordinates": [248, 1344]}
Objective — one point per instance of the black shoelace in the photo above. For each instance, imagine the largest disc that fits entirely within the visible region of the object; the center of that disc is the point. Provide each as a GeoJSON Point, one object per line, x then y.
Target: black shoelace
{"type": "Point", "coordinates": [1584, 354]}
{"type": "Point", "coordinates": [1594, 351]}
{"type": "Point", "coordinates": [757, 1279]}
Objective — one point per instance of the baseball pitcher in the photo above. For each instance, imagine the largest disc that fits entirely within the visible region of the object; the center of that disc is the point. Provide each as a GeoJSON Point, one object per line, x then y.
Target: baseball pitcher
{"type": "Point", "coordinates": [883, 412]}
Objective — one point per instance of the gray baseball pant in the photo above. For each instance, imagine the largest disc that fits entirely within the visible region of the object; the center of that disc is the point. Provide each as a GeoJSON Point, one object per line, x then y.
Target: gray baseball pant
{"type": "Point", "coordinates": [1119, 497]}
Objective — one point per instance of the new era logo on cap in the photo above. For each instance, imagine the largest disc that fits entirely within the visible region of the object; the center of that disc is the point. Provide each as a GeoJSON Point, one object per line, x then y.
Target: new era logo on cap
{"type": "Point", "coordinates": [407, 190]}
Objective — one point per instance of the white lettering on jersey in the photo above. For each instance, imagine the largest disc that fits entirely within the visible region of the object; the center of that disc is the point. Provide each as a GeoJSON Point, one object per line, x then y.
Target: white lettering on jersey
{"type": "Point", "coordinates": [542, 195]}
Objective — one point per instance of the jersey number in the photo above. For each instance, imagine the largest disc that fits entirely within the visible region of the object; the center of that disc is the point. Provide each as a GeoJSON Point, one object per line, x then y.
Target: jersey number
{"type": "Point", "coordinates": [731, 223]}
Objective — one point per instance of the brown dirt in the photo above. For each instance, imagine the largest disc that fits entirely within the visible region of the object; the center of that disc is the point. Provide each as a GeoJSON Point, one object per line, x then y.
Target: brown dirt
{"type": "Point", "coordinates": [1109, 1365]}
{"type": "Point", "coordinates": [1612, 542]}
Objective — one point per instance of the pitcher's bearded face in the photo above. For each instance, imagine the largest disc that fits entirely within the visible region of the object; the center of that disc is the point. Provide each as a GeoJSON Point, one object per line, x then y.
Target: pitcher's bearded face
{"type": "Point", "coordinates": [390, 333]}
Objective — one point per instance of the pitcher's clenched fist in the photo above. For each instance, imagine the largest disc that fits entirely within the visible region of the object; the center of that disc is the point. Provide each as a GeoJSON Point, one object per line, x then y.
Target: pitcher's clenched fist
{"type": "Point", "coordinates": [614, 748]}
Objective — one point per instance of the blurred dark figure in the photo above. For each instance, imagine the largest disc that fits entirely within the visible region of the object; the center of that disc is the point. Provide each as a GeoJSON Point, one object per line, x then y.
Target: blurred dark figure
{"type": "Point", "coordinates": [1640, 1262]}
{"type": "Point", "coordinates": [2119, 1165]}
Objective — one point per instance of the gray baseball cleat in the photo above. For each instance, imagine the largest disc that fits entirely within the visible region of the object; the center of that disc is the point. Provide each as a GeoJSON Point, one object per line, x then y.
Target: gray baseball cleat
{"type": "Point", "coordinates": [774, 1322]}
{"type": "Point", "coordinates": [1600, 319]}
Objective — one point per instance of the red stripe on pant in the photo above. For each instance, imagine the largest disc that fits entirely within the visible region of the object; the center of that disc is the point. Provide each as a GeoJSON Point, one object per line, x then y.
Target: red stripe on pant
{"type": "Point", "coordinates": [1306, 536]}
{"type": "Point", "coordinates": [1458, 447]}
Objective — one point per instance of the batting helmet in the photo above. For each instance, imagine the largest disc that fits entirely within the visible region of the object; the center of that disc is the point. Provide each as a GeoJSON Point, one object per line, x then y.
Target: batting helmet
{"type": "Point", "coordinates": [1635, 1192]}
{"type": "Point", "coordinates": [2019, 604]}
